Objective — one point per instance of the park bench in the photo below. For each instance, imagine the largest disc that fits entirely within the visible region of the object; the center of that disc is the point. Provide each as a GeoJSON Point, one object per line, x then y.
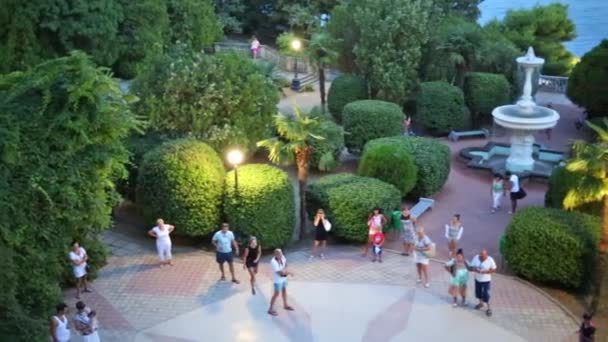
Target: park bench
{"type": "Point", "coordinates": [454, 136]}
{"type": "Point", "coordinates": [422, 206]}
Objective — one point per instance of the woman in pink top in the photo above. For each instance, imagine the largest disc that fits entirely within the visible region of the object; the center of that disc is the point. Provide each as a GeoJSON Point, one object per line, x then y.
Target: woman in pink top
{"type": "Point", "coordinates": [375, 222]}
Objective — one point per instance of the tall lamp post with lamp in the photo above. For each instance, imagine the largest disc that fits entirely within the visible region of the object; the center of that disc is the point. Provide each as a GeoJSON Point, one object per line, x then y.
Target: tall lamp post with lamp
{"type": "Point", "coordinates": [235, 158]}
{"type": "Point", "coordinates": [296, 45]}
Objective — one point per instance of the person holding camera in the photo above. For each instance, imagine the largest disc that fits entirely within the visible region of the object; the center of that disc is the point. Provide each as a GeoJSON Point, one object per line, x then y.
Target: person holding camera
{"type": "Point", "coordinates": [79, 258]}
{"type": "Point", "coordinates": [322, 228]}
{"type": "Point", "coordinates": [279, 277]}
{"type": "Point", "coordinates": [85, 322]}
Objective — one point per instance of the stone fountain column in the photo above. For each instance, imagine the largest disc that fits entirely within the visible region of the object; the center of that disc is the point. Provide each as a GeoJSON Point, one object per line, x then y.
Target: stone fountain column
{"type": "Point", "coordinates": [522, 147]}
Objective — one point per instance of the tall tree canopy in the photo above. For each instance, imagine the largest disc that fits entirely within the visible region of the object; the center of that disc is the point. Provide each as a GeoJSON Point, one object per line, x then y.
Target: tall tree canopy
{"type": "Point", "coordinates": [588, 83]}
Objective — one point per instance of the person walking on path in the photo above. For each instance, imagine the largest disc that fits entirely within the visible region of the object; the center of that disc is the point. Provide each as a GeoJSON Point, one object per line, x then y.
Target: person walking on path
{"type": "Point", "coordinates": [586, 333]}
{"type": "Point", "coordinates": [498, 190]}
{"type": "Point", "coordinates": [483, 266]}
{"type": "Point", "coordinates": [60, 326]}
{"type": "Point", "coordinates": [279, 278]}
{"type": "Point", "coordinates": [252, 255]}
{"type": "Point", "coordinates": [459, 277]}
{"type": "Point", "coordinates": [408, 233]}
{"type": "Point", "coordinates": [453, 233]}
{"type": "Point", "coordinates": [378, 243]}
{"type": "Point", "coordinates": [375, 222]}
{"type": "Point", "coordinates": [86, 323]}
{"type": "Point", "coordinates": [224, 243]}
{"type": "Point", "coordinates": [322, 228]}
{"type": "Point", "coordinates": [516, 192]}
{"type": "Point", "coordinates": [422, 248]}
{"type": "Point", "coordinates": [79, 258]}
{"type": "Point", "coordinates": [255, 47]}
{"type": "Point", "coordinates": [163, 242]}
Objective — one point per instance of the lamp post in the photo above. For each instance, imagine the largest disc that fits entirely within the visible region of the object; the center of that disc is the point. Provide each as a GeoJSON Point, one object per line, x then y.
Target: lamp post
{"type": "Point", "coordinates": [235, 157]}
{"type": "Point", "coordinates": [296, 45]}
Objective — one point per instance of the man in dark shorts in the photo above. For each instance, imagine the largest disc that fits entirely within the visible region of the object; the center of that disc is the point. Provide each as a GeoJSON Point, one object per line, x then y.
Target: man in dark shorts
{"type": "Point", "coordinates": [224, 242]}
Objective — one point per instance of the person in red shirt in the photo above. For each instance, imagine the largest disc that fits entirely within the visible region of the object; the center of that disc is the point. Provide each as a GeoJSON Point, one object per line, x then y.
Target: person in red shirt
{"type": "Point", "coordinates": [378, 242]}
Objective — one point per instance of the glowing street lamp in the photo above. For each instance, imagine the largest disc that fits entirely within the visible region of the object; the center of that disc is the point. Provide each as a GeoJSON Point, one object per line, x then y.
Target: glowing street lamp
{"type": "Point", "coordinates": [235, 157]}
{"type": "Point", "coordinates": [296, 45]}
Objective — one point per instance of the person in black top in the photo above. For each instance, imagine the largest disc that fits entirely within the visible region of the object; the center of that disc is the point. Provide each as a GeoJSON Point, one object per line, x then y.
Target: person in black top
{"type": "Point", "coordinates": [586, 333]}
{"type": "Point", "coordinates": [320, 234]}
{"type": "Point", "coordinates": [252, 255]}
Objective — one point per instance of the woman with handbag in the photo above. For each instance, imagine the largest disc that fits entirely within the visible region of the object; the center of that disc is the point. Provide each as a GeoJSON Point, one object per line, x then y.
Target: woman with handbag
{"type": "Point", "coordinates": [424, 249]}
{"type": "Point", "coordinates": [322, 228]}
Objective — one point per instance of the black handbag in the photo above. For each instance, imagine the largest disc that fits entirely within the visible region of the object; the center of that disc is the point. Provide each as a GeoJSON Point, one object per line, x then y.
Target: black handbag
{"type": "Point", "coordinates": [521, 193]}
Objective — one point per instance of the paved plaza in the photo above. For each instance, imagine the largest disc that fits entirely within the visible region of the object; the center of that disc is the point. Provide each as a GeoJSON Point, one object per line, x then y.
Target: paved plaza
{"type": "Point", "coordinates": [344, 297]}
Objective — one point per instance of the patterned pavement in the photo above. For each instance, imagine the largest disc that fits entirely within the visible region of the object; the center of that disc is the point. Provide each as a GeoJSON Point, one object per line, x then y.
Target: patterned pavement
{"type": "Point", "coordinates": [345, 297]}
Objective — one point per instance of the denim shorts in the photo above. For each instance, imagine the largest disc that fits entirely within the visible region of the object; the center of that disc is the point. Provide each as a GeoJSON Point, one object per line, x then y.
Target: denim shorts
{"type": "Point", "coordinates": [223, 257]}
{"type": "Point", "coordinates": [278, 287]}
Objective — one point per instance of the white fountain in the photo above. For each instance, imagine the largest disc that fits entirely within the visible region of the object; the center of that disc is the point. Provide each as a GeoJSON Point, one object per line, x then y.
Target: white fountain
{"type": "Point", "coordinates": [524, 118]}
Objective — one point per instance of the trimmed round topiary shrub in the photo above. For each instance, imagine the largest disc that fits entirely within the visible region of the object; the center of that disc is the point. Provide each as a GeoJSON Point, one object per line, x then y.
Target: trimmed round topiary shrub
{"type": "Point", "coordinates": [348, 199]}
{"type": "Point", "coordinates": [483, 92]}
{"type": "Point", "coordinates": [182, 181]}
{"type": "Point", "coordinates": [588, 82]}
{"type": "Point", "coordinates": [365, 120]}
{"type": "Point", "coordinates": [560, 182]}
{"type": "Point", "coordinates": [264, 205]}
{"type": "Point", "coordinates": [440, 107]}
{"type": "Point", "coordinates": [431, 158]}
{"type": "Point", "coordinates": [389, 161]}
{"type": "Point", "coordinates": [553, 246]}
{"type": "Point", "coordinates": [333, 143]}
{"type": "Point", "coordinates": [345, 89]}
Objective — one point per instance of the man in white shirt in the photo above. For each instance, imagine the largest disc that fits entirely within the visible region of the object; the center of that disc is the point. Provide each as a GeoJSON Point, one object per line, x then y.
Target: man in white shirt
{"type": "Point", "coordinates": [279, 278]}
{"type": "Point", "coordinates": [483, 266]}
{"type": "Point", "coordinates": [516, 192]}
{"type": "Point", "coordinates": [224, 242]}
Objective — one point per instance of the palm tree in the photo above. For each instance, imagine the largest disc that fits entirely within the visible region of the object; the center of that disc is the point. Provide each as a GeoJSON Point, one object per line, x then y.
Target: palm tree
{"type": "Point", "coordinates": [293, 144]}
{"type": "Point", "coordinates": [321, 50]}
{"type": "Point", "coordinates": [590, 163]}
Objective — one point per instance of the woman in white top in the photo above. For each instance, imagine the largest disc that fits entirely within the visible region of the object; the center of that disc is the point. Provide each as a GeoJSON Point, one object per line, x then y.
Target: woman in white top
{"type": "Point", "coordinates": [515, 190]}
{"type": "Point", "coordinates": [279, 279]}
{"type": "Point", "coordinates": [375, 222]}
{"type": "Point", "coordinates": [453, 233]}
{"type": "Point", "coordinates": [422, 244]}
{"type": "Point", "coordinates": [79, 259]}
{"type": "Point", "coordinates": [60, 328]}
{"type": "Point", "coordinates": [85, 322]}
{"type": "Point", "coordinates": [163, 242]}
{"type": "Point", "coordinates": [255, 47]}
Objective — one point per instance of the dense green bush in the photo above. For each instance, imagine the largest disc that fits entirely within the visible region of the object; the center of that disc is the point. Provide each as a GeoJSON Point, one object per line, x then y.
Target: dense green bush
{"type": "Point", "coordinates": [553, 246]}
{"type": "Point", "coordinates": [432, 159]}
{"type": "Point", "coordinates": [182, 181]}
{"type": "Point", "coordinates": [333, 142]}
{"type": "Point", "coordinates": [63, 124]}
{"type": "Point", "coordinates": [348, 200]}
{"type": "Point", "coordinates": [389, 161]}
{"type": "Point", "coordinates": [365, 120]}
{"type": "Point", "coordinates": [264, 205]}
{"type": "Point", "coordinates": [440, 107]}
{"type": "Point", "coordinates": [588, 83]}
{"type": "Point", "coordinates": [483, 92]}
{"type": "Point", "coordinates": [562, 181]}
{"type": "Point", "coordinates": [223, 99]}
{"type": "Point", "coordinates": [345, 89]}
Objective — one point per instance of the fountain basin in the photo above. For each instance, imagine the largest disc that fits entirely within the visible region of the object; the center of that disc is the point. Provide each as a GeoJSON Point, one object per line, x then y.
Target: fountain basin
{"type": "Point", "coordinates": [531, 118]}
{"type": "Point", "coordinates": [493, 157]}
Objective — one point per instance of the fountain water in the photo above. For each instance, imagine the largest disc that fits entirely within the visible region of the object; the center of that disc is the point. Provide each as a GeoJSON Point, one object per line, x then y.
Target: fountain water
{"type": "Point", "coordinates": [524, 118]}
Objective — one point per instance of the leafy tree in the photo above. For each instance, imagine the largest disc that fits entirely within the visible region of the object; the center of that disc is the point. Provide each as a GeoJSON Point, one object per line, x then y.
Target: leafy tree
{"type": "Point", "coordinates": [386, 48]}
{"type": "Point", "coordinates": [294, 144]}
{"type": "Point", "coordinates": [63, 123]}
{"type": "Point", "coordinates": [590, 166]}
{"type": "Point", "coordinates": [223, 99]}
{"type": "Point", "coordinates": [321, 51]}
{"type": "Point", "coordinates": [231, 14]}
{"type": "Point", "coordinates": [588, 83]}
{"type": "Point", "coordinates": [545, 28]}
{"type": "Point", "coordinates": [468, 9]}
{"type": "Point", "coordinates": [193, 22]}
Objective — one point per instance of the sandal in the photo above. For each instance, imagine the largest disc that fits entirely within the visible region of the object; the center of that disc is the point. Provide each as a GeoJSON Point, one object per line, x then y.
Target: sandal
{"type": "Point", "coordinates": [236, 281]}
{"type": "Point", "coordinates": [478, 306]}
{"type": "Point", "coordinates": [222, 278]}
{"type": "Point", "coordinates": [272, 313]}
{"type": "Point", "coordinates": [489, 313]}
{"type": "Point", "coordinates": [289, 308]}
{"type": "Point", "coordinates": [87, 291]}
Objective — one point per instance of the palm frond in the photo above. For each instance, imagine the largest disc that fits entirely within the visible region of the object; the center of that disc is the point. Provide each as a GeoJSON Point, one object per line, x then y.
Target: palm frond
{"type": "Point", "coordinates": [587, 189]}
{"type": "Point", "coordinates": [278, 151]}
{"type": "Point", "coordinates": [601, 132]}
{"type": "Point", "coordinates": [327, 162]}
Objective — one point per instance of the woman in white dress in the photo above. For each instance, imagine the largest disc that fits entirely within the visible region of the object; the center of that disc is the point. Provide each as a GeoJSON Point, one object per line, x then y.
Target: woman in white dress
{"type": "Point", "coordinates": [79, 258]}
{"type": "Point", "coordinates": [422, 245]}
{"type": "Point", "coordinates": [85, 322]}
{"type": "Point", "coordinates": [453, 233]}
{"type": "Point", "coordinates": [163, 242]}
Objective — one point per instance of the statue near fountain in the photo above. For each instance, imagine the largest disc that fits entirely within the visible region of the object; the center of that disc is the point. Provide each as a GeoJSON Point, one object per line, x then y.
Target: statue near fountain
{"type": "Point", "coordinates": [524, 118]}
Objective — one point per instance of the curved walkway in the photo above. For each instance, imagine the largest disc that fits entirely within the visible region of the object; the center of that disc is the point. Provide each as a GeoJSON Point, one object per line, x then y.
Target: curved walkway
{"type": "Point", "coordinates": [344, 297]}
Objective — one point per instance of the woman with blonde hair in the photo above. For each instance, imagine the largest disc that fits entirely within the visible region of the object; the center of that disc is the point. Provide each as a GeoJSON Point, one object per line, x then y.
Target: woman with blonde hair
{"type": "Point", "coordinates": [422, 249]}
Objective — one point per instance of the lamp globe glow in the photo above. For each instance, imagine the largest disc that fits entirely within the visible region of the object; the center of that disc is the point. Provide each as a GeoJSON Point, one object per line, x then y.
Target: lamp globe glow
{"type": "Point", "coordinates": [296, 44]}
{"type": "Point", "coordinates": [235, 157]}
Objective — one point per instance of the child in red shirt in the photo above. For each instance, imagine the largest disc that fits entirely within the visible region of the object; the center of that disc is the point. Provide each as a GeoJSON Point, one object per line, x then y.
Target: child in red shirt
{"type": "Point", "coordinates": [378, 241]}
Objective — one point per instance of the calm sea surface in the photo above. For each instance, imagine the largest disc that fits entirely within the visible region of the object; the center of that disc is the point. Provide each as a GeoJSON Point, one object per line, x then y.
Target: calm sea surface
{"type": "Point", "coordinates": [590, 17]}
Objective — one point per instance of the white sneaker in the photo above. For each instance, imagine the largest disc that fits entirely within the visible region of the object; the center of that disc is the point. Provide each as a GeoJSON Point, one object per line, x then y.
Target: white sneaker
{"type": "Point", "coordinates": [455, 304]}
{"type": "Point", "coordinates": [418, 281]}
{"type": "Point", "coordinates": [427, 285]}
{"type": "Point", "coordinates": [322, 256]}
{"type": "Point", "coordinates": [311, 258]}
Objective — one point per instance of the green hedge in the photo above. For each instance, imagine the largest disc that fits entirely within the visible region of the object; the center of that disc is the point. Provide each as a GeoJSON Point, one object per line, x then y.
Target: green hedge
{"type": "Point", "coordinates": [483, 92]}
{"type": "Point", "coordinates": [560, 182]}
{"type": "Point", "coordinates": [264, 205]}
{"type": "Point", "coordinates": [553, 246]}
{"type": "Point", "coordinates": [365, 120]}
{"type": "Point", "coordinates": [182, 181]}
{"type": "Point", "coordinates": [348, 200]}
{"type": "Point", "coordinates": [345, 89]}
{"type": "Point", "coordinates": [389, 161]}
{"type": "Point", "coordinates": [440, 107]}
{"type": "Point", "coordinates": [333, 142]}
{"type": "Point", "coordinates": [432, 159]}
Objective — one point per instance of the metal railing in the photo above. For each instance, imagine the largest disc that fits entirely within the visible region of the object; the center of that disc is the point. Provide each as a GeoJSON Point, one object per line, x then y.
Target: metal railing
{"type": "Point", "coordinates": [286, 63]}
{"type": "Point", "coordinates": [553, 84]}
